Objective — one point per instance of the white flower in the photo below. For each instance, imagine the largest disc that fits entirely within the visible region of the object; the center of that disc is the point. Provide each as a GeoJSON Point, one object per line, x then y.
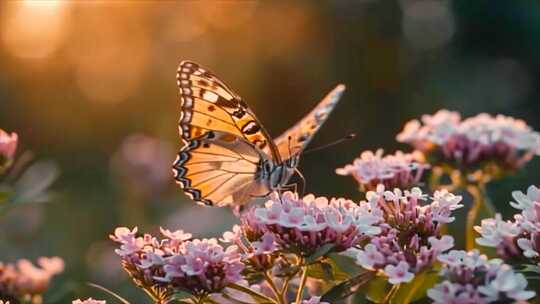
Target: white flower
{"type": "Point", "coordinates": [444, 293]}
{"type": "Point", "coordinates": [439, 245]}
{"type": "Point", "coordinates": [495, 230]}
{"type": "Point", "coordinates": [452, 258]}
{"type": "Point", "coordinates": [511, 283]}
{"type": "Point", "coordinates": [526, 201]}
{"type": "Point", "coordinates": [398, 274]}
{"type": "Point", "coordinates": [526, 246]}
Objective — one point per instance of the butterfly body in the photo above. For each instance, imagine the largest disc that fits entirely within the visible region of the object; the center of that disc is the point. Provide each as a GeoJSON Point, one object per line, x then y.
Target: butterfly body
{"type": "Point", "coordinates": [228, 157]}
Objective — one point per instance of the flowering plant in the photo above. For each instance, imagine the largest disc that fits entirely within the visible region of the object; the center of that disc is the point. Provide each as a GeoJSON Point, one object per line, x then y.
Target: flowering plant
{"type": "Point", "coordinates": [411, 236]}
{"type": "Point", "coordinates": [24, 282]}
{"type": "Point", "coordinates": [470, 277]}
{"type": "Point", "coordinates": [518, 240]}
{"type": "Point", "coordinates": [20, 181]}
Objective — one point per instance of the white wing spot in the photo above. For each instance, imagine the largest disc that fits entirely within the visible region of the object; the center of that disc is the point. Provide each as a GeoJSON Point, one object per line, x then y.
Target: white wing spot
{"type": "Point", "coordinates": [210, 96]}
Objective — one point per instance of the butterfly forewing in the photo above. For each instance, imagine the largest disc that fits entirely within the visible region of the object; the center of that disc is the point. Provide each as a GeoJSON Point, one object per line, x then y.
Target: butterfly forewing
{"type": "Point", "coordinates": [295, 139]}
{"type": "Point", "coordinates": [208, 104]}
{"type": "Point", "coordinates": [219, 169]}
{"type": "Point", "coordinates": [228, 157]}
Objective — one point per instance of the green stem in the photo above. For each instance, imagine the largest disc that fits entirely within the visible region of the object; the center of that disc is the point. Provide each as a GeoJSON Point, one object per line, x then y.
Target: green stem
{"type": "Point", "coordinates": [273, 287]}
{"type": "Point", "coordinates": [391, 293]}
{"type": "Point", "coordinates": [303, 280]}
{"type": "Point", "coordinates": [480, 202]}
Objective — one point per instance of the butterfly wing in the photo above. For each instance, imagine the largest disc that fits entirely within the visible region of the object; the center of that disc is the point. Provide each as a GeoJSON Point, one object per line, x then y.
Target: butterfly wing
{"type": "Point", "coordinates": [208, 104]}
{"type": "Point", "coordinates": [220, 169]}
{"type": "Point", "coordinates": [295, 140]}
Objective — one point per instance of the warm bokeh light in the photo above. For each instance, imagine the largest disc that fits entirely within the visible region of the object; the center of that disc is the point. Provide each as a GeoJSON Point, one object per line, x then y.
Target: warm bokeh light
{"type": "Point", "coordinates": [80, 79]}
{"type": "Point", "coordinates": [34, 29]}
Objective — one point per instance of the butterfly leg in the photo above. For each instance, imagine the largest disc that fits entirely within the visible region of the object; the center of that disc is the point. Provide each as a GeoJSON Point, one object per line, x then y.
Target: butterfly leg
{"type": "Point", "coordinates": [303, 180]}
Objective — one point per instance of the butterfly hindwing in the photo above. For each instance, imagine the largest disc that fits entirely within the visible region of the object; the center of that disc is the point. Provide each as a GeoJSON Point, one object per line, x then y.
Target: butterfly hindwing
{"type": "Point", "coordinates": [220, 169]}
{"type": "Point", "coordinates": [208, 104]}
{"type": "Point", "coordinates": [295, 139]}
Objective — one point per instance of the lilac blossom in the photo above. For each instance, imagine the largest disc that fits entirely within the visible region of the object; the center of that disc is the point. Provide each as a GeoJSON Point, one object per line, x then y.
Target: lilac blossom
{"type": "Point", "coordinates": [518, 238]}
{"type": "Point", "coordinates": [473, 142]}
{"type": "Point", "coordinates": [177, 262]}
{"type": "Point", "coordinates": [303, 225]}
{"type": "Point", "coordinates": [470, 278]}
{"type": "Point", "coordinates": [23, 279]}
{"type": "Point", "coordinates": [411, 235]}
{"type": "Point", "coordinates": [399, 170]}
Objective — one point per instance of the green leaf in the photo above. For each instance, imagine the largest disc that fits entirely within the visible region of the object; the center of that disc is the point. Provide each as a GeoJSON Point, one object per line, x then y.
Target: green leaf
{"type": "Point", "coordinates": [322, 271]}
{"type": "Point", "coordinates": [345, 264]}
{"type": "Point", "coordinates": [377, 289]}
{"type": "Point", "coordinates": [34, 182]}
{"type": "Point", "coordinates": [325, 249]}
{"type": "Point", "coordinates": [529, 268]}
{"type": "Point", "coordinates": [416, 289]}
{"type": "Point", "coordinates": [346, 288]}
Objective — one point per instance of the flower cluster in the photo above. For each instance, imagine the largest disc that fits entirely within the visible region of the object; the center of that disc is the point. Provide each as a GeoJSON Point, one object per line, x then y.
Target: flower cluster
{"type": "Point", "coordinates": [411, 233]}
{"type": "Point", "coordinates": [177, 263]}
{"type": "Point", "coordinates": [399, 170]}
{"type": "Point", "coordinates": [88, 301]}
{"type": "Point", "coordinates": [303, 225]}
{"type": "Point", "coordinates": [8, 146]}
{"type": "Point", "coordinates": [520, 238]}
{"type": "Point", "coordinates": [473, 142]}
{"type": "Point", "coordinates": [24, 281]}
{"type": "Point", "coordinates": [470, 278]}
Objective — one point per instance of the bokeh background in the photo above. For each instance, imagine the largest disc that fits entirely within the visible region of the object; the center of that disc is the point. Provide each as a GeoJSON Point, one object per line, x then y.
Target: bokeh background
{"type": "Point", "coordinates": [91, 85]}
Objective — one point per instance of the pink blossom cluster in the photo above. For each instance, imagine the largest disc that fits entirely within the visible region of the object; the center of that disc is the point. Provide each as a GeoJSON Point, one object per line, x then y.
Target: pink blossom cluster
{"type": "Point", "coordinates": [399, 170]}
{"type": "Point", "coordinates": [474, 141]}
{"type": "Point", "coordinates": [177, 262]}
{"type": "Point", "coordinates": [24, 280]}
{"type": "Point", "coordinates": [470, 278]}
{"type": "Point", "coordinates": [88, 301]}
{"type": "Point", "coordinates": [8, 146]}
{"type": "Point", "coordinates": [411, 235]}
{"type": "Point", "coordinates": [519, 238]}
{"type": "Point", "coordinates": [303, 225]}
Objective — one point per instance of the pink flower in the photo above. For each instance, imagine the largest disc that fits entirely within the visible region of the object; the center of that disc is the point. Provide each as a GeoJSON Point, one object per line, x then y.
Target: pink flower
{"type": "Point", "coordinates": [411, 231]}
{"type": "Point", "coordinates": [398, 274]}
{"type": "Point", "coordinates": [88, 301]}
{"type": "Point", "coordinates": [177, 262]}
{"type": "Point", "coordinates": [370, 256]}
{"type": "Point", "coordinates": [519, 238]}
{"type": "Point", "coordinates": [469, 277]}
{"type": "Point", "coordinates": [473, 142]}
{"type": "Point", "coordinates": [8, 146]}
{"type": "Point", "coordinates": [25, 279]}
{"type": "Point", "coordinates": [396, 170]}
{"type": "Point", "coordinates": [302, 225]}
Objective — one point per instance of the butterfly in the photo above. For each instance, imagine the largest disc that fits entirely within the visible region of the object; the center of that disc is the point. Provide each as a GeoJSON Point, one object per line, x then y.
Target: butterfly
{"type": "Point", "coordinates": [228, 157]}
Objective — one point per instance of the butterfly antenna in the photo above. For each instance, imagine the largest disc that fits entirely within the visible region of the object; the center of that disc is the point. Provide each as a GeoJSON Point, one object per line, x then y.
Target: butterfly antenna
{"type": "Point", "coordinates": [330, 144]}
